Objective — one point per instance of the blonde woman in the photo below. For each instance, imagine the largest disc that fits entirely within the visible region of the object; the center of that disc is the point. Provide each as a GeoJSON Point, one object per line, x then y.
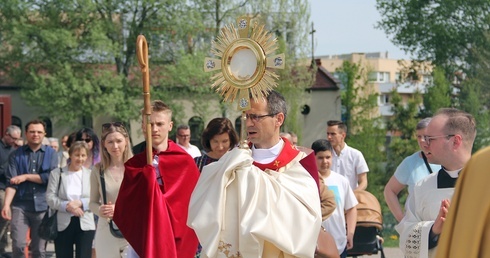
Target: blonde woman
{"type": "Point", "coordinates": [76, 225]}
{"type": "Point", "coordinates": [115, 151]}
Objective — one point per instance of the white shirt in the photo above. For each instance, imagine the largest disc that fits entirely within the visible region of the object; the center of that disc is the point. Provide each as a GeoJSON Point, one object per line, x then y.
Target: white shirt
{"type": "Point", "coordinates": [349, 163]}
{"type": "Point", "coordinates": [266, 156]}
{"type": "Point", "coordinates": [345, 200]}
{"type": "Point", "coordinates": [193, 150]}
{"type": "Point", "coordinates": [74, 185]}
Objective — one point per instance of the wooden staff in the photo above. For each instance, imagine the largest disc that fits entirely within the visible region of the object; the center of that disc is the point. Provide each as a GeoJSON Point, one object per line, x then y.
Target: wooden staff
{"type": "Point", "coordinates": [142, 53]}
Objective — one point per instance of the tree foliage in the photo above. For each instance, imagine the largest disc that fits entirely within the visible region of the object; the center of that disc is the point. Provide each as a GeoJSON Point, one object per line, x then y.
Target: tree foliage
{"type": "Point", "coordinates": [453, 35]}
{"type": "Point", "coordinates": [403, 126]}
{"type": "Point", "coordinates": [404, 119]}
{"type": "Point", "coordinates": [359, 112]}
{"type": "Point", "coordinates": [77, 58]}
{"type": "Point", "coordinates": [438, 94]}
{"type": "Point", "coordinates": [441, 31]}
{"type": "Point", "coordinates": [74, 58]}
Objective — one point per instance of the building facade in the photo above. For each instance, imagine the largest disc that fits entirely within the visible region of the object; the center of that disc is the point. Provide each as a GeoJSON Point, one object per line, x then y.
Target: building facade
{"type": "Point", "coordinates": [321, 104]}
{"type": "Point", "coordinates": [386, 74]}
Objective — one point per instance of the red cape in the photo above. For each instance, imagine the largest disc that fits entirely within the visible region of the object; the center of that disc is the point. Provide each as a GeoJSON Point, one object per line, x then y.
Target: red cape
{"type": "Point", "coordinates": [152, 217]}
{"type": "Point", "coordinates": [288, 153]}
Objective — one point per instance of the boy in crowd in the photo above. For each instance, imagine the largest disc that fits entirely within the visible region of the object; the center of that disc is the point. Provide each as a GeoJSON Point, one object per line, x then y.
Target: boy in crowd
{"type": "Point", "coordinates": [344, 197]}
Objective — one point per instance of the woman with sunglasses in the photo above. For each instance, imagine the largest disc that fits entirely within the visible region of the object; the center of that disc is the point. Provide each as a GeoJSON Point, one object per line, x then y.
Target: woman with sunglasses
{"type": "Point", "coordinates": [218, 138]}
{"type": "Point", "coordinates": [88, 135]}
{"type": "Point", "coordinates": [115, 151]}
{"type": "Point", "coordinates": [70, 196]}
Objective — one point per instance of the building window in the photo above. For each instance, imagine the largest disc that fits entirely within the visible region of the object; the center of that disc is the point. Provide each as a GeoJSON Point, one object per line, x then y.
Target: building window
{"type": "Point", "coordinates": [49, 126]}
{"type": "Point", "coordinates": [383, 77]}
{"type": "Point", "coordinates": [87, 121]}
{"type": "Point", "coordinates": [379, 77]}
{"type": "Point", "coordinates": [384, 99]}
{"type": "Point", "coordinates": [373, 77]}
{"type": "Point", "coordinates": [238, 124]}
{"type": "Point", "coordinates": [18, 122]}
{"type": "Point", "coordinates": [398, 77]}
{"type": "Point", "coordinates": [196, 124]}
{"type": "Point", "coordinates": [428, 80]}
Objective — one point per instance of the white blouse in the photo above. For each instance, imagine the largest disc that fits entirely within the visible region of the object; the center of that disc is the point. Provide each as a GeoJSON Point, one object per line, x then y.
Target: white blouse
{"type": "Point", "coordinates": [74, 185]}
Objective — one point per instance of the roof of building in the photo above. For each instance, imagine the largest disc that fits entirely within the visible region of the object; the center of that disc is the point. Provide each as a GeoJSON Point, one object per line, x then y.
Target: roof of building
{"type": "Point", "coordinates": [324, 80]}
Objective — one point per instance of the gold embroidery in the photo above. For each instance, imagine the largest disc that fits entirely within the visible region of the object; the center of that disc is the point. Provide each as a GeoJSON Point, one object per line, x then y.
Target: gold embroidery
{"type": "Point", "coordinates": [225, 249]}
{"type": "Point", "coordinates": [276, 163]}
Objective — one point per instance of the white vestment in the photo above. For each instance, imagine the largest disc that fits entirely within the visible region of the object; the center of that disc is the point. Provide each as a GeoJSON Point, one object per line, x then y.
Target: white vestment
{"type": "Point", "coordinates": [238, 210]}
{"type": "Point", "coordinates": [422, 209]}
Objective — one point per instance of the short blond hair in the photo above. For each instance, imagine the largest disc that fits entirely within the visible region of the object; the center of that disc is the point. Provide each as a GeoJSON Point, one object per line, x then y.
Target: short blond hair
{"type": "Point", "coordinates": [159, 106]}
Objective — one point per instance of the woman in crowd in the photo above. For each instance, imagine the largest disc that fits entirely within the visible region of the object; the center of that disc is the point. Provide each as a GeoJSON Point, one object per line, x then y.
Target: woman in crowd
{"type": "Point", "coordinates": [64, 159]}
{"type": "Point", "coordinates": [76, 225]}
{"type": "Point", "coordinates": [88, 135]}
{"type": "Point", "coordinates": [218, 138]}
{"type": "Point", "coordinates": [115, 151]}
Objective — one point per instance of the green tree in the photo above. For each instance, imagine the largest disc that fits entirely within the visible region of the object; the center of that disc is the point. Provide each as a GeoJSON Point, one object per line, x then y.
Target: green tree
{"type": "Point", "coordinates": [453, 35]}
{"type": "Point", "coordinates": [74, 58]}
{"type": "Point", "coordinates": [476, 95]}
{"type": "Point", "coordinates": [79, 56]}
{"type": "Point", "coordinates": [404, 119]}
{"type": "Point", "coordinates": [473, 104]}
{"type": "Point", "coordinates": [364, 125]}
{"type": "Point", "coordinates": [438, 95]}
{"type": "Point", "coordinates": [403, 126]}
{"type": "Point", "coordinates": [441, 31]}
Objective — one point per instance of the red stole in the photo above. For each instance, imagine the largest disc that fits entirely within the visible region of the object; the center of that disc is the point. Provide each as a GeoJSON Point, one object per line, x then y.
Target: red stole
{"type": "Point", "coordinates": [287, 154]}
{"type": "Point", "coordinates": [152, 217]}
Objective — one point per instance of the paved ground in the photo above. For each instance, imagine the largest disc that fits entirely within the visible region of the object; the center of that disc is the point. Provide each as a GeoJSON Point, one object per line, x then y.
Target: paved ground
{"type": "Point", "coordinates": [390, 252]}
{"type": "Point", "coordinates": [49, 250]}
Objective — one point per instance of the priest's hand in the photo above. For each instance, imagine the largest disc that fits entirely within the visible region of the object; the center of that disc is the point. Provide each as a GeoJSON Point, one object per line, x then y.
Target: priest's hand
{"type": "Point", "coordinates": [441, 217]}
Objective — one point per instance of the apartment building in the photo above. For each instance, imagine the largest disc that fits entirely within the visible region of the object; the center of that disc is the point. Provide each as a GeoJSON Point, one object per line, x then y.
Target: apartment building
{"type": "Point", "coordinates": [385, 74]}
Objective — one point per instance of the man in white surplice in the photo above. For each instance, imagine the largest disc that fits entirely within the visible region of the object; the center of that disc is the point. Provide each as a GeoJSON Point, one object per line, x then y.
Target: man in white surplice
{"type": "Point", "coordinates": [262, 201]}
{"type": "Point", "coordinates": [449, 140]}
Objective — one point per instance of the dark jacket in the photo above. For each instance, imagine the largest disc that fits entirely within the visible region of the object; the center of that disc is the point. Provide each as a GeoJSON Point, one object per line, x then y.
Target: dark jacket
{"type": "Point", "coordinates": [29, 195]}
{"type": "Point", "coordinates": [5, 151]}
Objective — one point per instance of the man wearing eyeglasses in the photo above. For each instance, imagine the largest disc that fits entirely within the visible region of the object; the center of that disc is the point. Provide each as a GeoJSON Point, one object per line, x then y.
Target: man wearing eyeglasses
{"type": "Point", "coordinates": [449, 140]}
{"type": "Point", "coordinates": [262, 201]}
{"type": "Point", "coordinates": [7, 146]}
{"type": "Point", "coordinates": [184, 141]}
{"type": "Point", "coordinates": [25, 196]}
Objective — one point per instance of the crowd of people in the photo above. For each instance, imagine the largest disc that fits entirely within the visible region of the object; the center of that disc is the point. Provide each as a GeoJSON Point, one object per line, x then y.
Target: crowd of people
{"type": "Point", "coordinates": [272, 199]}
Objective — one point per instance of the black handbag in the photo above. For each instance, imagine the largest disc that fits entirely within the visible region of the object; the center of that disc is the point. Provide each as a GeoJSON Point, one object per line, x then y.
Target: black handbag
{"type": "Point", "coordinates": [48, 230]}
{"type": "Point", "coordinates": [112, 226]}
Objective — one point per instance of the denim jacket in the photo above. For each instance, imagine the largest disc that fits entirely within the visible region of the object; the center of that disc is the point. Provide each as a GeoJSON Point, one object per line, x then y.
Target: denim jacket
{"type": "Point", "coordinates": [31, 196]}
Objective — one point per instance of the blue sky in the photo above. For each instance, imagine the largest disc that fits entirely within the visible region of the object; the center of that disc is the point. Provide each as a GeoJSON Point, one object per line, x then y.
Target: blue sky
{"type": "Point", "coordinates": [346, 26]}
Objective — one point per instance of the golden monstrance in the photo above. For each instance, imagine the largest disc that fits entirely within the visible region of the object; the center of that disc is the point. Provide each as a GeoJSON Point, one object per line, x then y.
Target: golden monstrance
{"type": "Point", "coordinates": [246, 62]}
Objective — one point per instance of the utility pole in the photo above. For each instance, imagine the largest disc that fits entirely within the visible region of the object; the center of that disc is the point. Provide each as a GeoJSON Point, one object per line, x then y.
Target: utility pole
{"type": "Point", "coordinates": [312, 32]}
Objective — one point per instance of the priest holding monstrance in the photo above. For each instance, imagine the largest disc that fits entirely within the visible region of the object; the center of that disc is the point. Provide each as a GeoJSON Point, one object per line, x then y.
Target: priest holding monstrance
{"type": "Point", "coordinates": [258, 200]}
